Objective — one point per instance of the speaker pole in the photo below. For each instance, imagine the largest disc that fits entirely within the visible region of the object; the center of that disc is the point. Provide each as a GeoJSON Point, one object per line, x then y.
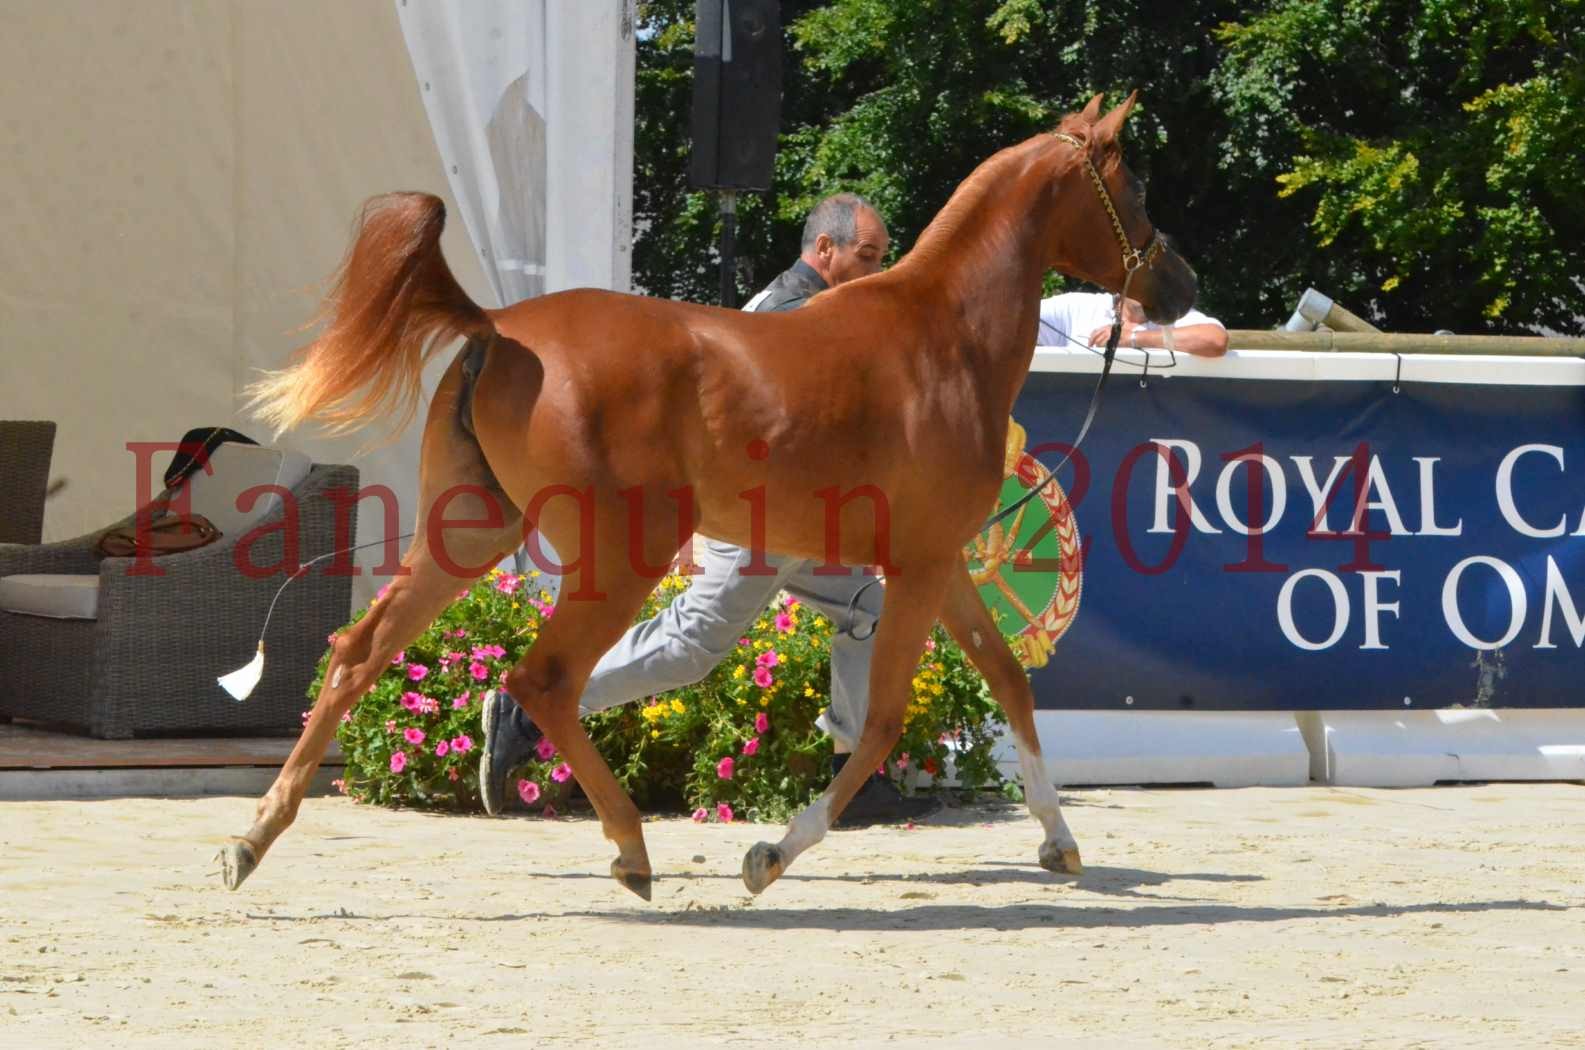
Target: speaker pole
{"type": "Point", "coordinates": [729, 249]}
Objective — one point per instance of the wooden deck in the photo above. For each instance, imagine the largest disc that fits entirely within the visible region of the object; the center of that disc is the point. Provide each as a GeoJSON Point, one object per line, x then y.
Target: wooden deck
{"type": "Point", "coordinates": [29, 747]}
{"type": "Point", "coordinates": [37, 763]}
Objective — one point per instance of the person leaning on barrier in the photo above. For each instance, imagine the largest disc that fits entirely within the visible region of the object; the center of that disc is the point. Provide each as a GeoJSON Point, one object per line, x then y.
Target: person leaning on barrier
{"type": "Point", "coordinates": [1087, 317]}
{"type": "Point", "coordinates": [844, 238]}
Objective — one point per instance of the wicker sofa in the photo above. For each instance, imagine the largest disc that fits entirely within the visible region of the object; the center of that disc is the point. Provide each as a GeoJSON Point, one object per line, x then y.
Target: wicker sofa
{"type": "Point", "coordinates": [85, 643]}
{"type": "Point", "coordinates": [26, 448]}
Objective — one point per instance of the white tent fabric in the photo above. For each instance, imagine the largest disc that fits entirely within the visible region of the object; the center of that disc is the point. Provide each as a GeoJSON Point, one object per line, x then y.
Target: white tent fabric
{"type": "Point", "coordinates": [531, 103]}
{"type": "Point", "coordinates": [481, 73]}
{"type": "Point", "coordinates": [172, 218]}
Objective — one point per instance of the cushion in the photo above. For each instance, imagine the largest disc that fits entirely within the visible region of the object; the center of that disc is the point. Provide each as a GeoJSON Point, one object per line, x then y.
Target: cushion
{"type": "Point", "coordinates": [238, 468]}
{"type": "Point", "coordinates": [63, 597]}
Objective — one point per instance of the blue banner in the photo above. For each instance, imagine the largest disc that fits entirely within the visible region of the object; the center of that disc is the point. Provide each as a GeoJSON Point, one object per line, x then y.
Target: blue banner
{"type": "Point", "coordinates": [1308, 545]}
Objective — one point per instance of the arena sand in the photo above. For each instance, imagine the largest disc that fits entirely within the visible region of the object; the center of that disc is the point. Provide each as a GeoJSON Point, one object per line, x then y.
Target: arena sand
{"type": "Point", "coordinates": [1452, 917]}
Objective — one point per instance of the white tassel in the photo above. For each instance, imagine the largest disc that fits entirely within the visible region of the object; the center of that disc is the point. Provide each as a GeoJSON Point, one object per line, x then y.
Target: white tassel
{"type": "Point", "coordinates": [241, 682]}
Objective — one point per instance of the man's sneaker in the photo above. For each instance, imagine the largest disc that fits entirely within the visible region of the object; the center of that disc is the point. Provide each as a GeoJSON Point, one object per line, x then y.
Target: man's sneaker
{"type": "Point", "coordinates": [879, 802]}
{"type": "Point", "coordinates": [509, 739]}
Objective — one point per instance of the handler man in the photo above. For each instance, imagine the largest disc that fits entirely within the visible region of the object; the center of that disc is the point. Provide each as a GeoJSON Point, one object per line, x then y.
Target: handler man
{"type": "Point", "coordinates": [844, 238]}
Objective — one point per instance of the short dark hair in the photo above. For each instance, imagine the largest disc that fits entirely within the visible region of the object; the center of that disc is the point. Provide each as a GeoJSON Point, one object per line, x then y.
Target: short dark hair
{"type": "Point", "coordinates": [837, 218]}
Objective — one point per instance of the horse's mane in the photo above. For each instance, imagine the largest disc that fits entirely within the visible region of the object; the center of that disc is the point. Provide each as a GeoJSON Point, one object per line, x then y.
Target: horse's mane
{"type": "Point", "coordinates": [975, 219]}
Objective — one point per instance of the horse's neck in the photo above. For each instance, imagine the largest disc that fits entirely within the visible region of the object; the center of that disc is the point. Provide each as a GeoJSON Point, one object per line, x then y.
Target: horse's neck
{"type": "Point", "coordinates": [984, 260]}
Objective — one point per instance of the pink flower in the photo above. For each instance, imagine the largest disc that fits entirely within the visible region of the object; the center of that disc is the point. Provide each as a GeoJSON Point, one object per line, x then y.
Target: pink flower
{"type": "Point", "coordinates": [428, 705]}
{"type": "Point", "coordinates": [460, 702]}
{"type": "Point", "coordinates": [396, 661]}
{"type": "Point", "coordinates": [305, 716]}
{"type": "Point", "coordinates": [762, 678]}
{"type": "Point", "coordinates": [462, 744]}
{"type": "Point", "coordinates": [460, 633]}
{"type": "Point", "coordinates": [761, 722]}
{"type": "Point", "coordinates": [545, 749]}
{"type": "Point", "coordinates": [548, 611]}
{"type": "Point", "coordinates": [549, 812]}
{"type": "Point", "coordinates": [398, 761]}
{"type": "Point", "coordinates": [390, 727]}
{"type": "Point", "coordinates": [902, 761]}
{"type": "Point", "coordinates": [346, 716]}
{"type": "Point", "coordinates": [790, 603]}
{"type": "Point", "coordinates": [451, 775]}
{"type": "Point", "coordinates": [507, 583]}
{"type": "Point", "coordinates": [412, 701]}
{"type": "Point", "coordinates": [417, 672]}
{"type": "Point", "coordinates": [783, 623]}
{"type": "Point", "coordinates": [723, 768]}
{"type": "Point", "coordinates": [413, 735]}
{"type": "Point", "coordinates": [751, 746]}
{"type": "Point", "coordinates": [479, 671]}
{"type": "Point", "coordinates": [339, 785]}
{"type": "Point", "coordinates": [528, 791]}
{"type": "Point", "coordinates": [561, 774]}
{"type": "Point", "coordinates": [332, 638]}
{"type": "Point", "coordinates": [442, 749]}
{"type": "Point", "coordinates": [701, 815]}
{"type": "Point", "coordinates": [767, 659]}
{"type": "Point", "coordinates": [742, 642]}
{"type": "Point", "coordinates": [723, 813]}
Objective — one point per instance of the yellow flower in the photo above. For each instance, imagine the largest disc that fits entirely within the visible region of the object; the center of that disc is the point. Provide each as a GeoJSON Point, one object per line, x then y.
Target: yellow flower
{"type": "Point", "coordinates": [742, 702]}
{"type": "Point", "coordinates": [678, 706]}
{"type": "Point", "coordinates": [533, 572]}
{"type": "Point", "coordinates": [514, 605]}
{"type": "Point", "coordinates": [740, 671]}
{"type": "Point", "coordinates": [495, 572]}
{"type": "Point", "coordinates": [654, 734]}
{"type": "Point", "coordinates": [938, 689]}
{"type": "Point", "coordinates": [809, 690]}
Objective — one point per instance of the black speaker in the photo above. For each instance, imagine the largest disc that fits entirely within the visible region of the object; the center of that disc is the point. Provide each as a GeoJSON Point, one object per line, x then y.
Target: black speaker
{"type": "Point", "coordinates": [736, 93]}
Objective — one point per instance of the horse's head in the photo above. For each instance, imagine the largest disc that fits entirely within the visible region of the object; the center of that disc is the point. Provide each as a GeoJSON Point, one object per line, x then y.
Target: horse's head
{"type": "Point", "coordinates": [1103, 233]}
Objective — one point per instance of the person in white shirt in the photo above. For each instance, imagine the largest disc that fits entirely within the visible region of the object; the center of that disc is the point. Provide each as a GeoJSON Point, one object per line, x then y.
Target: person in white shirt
{"type": "Point", "coordinates": [1086, 317]}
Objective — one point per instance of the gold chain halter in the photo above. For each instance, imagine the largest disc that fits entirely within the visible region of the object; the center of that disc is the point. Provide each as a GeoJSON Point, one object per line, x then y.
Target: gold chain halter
{"type": "Point", "coordinates": [1133, 258]}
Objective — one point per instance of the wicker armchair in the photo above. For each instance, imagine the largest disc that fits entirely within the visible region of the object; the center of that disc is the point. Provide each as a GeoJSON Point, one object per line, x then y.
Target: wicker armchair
{"type": "Point", "coordinates": [25, 451]}
{"type": "Point", "coordinates": [119, 654]}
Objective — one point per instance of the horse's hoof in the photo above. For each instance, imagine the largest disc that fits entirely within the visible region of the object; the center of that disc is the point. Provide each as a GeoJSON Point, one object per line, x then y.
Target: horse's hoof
{"type": "Point", "coordinates": [637, 881]}
{"type": "Point", "coordinates": [1064, 860]}
{"type": "Point", "coordinates": [237, 862]}
{"type": "Point", "coordinates": [762, 866]}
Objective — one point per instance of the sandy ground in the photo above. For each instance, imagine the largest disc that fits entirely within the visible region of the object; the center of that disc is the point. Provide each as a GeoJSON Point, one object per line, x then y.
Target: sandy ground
{"type": "Point", "coordinates": [1452, 917]}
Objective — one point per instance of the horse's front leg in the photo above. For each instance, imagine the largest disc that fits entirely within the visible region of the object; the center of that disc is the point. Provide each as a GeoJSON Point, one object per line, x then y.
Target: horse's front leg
{"type": "Point", "coordinates": [913, 596]}
{"type": "Point", "coordinates": [972, 627]}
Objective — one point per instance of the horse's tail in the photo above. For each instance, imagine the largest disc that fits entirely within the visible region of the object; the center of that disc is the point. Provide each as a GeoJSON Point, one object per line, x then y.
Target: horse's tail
{"type": "Point", "coordinates": [394, 303]}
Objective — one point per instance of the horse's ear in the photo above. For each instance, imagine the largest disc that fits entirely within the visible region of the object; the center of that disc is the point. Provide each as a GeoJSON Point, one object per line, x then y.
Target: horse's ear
{"type": "Point", "coordinates": [1109, 125]}
{"type": "Point", "coordinates": [1092, 112]}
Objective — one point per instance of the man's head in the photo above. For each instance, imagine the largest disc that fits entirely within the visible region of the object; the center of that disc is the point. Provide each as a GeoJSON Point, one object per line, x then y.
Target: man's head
{"type": "Point", "coordinates": [844, 238]}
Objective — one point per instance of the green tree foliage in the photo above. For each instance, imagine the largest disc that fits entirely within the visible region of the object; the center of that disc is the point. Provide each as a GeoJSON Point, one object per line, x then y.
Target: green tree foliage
{"type": "Point", "coordinates": [1438, 148]}
{"type": "Point", "coordinates": [1417, 161]}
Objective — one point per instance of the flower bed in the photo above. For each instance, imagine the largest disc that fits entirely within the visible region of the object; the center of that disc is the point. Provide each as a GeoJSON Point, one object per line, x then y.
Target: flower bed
{"type": "Point", "coordinates": [742, 744]}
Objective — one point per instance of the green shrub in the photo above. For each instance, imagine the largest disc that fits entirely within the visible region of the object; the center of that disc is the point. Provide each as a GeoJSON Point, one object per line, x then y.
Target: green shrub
{"type": "Point", "coordinates": [742, 744]}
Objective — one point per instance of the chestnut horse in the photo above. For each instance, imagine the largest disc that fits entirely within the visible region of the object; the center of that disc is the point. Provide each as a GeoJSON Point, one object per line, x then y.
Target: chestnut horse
{"type": "Point", "coordinates": [617, 425]}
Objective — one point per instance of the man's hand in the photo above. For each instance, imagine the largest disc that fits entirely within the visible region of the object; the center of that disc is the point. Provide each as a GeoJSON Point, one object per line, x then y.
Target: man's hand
{"type": "Point", "coordinates": [1103, 333]}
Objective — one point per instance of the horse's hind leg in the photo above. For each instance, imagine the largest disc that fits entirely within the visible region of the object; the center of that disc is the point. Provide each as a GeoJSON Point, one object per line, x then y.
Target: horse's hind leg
{"type": "Point", "coordinates": [450, 458]}
{"type": "Point", "coordinates": [548, 681]}
{"type": "Point", "coordinates": [972, 627]}
{"type": "Point", "coordinates": [358, 657]}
